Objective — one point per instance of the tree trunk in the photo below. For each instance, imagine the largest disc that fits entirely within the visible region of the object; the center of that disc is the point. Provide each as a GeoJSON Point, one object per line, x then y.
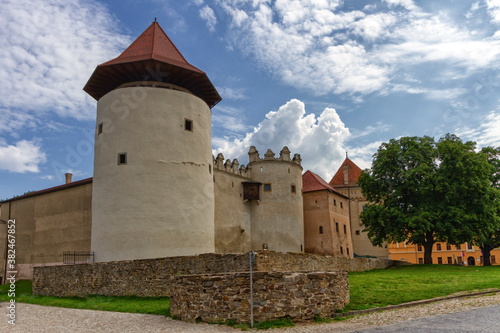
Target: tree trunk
{"type": "Point", "coordinates": [428, 252]}
{"type": "Point", "coordinates": [486, 254]}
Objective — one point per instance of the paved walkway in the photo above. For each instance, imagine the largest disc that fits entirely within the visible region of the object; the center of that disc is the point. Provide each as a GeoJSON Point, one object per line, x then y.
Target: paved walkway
{"type": "Point", "coordinates": [35, 318]}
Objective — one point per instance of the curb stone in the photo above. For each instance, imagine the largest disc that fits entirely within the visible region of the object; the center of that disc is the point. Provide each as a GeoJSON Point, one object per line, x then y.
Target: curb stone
{"type": "Point", "coordinates": [414, 303]}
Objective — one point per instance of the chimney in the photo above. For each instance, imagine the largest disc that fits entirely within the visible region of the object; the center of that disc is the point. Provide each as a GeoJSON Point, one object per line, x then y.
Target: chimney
{"type": "Point", "coordinates": [68, 177]}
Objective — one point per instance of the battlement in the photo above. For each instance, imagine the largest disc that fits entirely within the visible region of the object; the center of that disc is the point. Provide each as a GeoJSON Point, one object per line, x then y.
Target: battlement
{"type": "Point", "coordinates": [230, 167]}
{"type": "Point", "coordinates": [253, 156]}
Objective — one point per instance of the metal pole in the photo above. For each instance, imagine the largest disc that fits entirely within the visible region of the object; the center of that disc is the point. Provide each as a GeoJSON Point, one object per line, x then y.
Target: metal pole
{"type": "Point", "coordinates": [252, 258]}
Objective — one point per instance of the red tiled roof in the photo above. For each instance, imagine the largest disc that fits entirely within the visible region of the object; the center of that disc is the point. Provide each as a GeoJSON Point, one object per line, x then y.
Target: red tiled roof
{"type": "Point", "coordinates": [51, 189]}
{"type": "Point", "coordinates": [312, 182]}
{"type": "Point", "coordinates": [151, 57]}
{"type": "Point", "coordinates": [353, 173]}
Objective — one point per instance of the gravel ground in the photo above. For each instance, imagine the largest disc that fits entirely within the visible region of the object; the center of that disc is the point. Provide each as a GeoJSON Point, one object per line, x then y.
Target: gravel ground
{"type": "Point", "coordinates": [35, 318]}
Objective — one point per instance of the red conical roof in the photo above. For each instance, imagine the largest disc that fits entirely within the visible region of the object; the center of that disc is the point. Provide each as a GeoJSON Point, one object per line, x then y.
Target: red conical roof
{"type": "Point", "coordinates": [347, 175]}
{"type": "Point", "coordinates": [151, 57]}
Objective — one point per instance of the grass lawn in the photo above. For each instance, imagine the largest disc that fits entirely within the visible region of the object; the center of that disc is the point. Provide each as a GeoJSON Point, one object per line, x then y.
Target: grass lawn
{"type": "Point", "coordinates": [132, 304]}
{"type": "Point", "coordinates": [403, 284]}
{"type": "Point", "coordinates": [370, 289]}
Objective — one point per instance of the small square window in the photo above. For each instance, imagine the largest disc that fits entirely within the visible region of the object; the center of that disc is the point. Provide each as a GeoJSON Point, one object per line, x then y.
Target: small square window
{"type": "Point", "coordinates": [294, 189]}
{"type": "Point", "coordinates": [267, 187]}
{"type": "Point", "coordinates": [358, 232]}
{"type": "Point", "coordinates": [122, 158]}
{"type": "Point", "coordinates": [188, 125]}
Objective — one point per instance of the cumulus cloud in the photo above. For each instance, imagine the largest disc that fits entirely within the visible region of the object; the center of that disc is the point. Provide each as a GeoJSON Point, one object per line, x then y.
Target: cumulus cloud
{"type": "Point", "coordinates": [493, 7]}
{"type": "Point", "coordinates": [207, 14]}
{"type": "Point", "coordinates": [319, 140]}
{"type": "Point", "coordinates": [24, 156]}
{"type": "Point", "coordinates": [48, 51]}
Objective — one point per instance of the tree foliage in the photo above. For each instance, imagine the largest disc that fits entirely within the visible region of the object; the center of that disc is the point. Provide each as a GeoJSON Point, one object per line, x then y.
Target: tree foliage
{"type": "Point", "coordinates": [422, 191]}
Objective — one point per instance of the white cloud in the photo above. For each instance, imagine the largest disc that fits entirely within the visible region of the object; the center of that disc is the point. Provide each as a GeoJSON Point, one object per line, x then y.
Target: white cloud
{"type": "Point", "coordinates": [493, 7]}
{"type": "Point", "coordinates": [24, 156]}
{"type": "Point", "coordinates": [315, 45]}
{"type": "Point", "coordinates": [48, 51]}
{"type": "Point", "coordinates": [319, 140]}
{"type": "Point", "coordinates": [231, 119]}
{"type": "Point", "coordinates": [208, 15]}
{"type": "Point", "coordinates": [232, 93]}
{"type": "Point", "coordinates": [486, 134]}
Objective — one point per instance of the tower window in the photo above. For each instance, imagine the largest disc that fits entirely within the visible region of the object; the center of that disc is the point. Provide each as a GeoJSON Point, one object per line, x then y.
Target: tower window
{"type": "Point", "coordinates": [320, 229]}
{"type": "Point", "coordinates": [358, 232]}
{"type": "Point", "coordinates": [294, 189]}
{"type": "Point", "coordinates": [122, 158]}
{"type": "Point", "coordinates": [188, 125]}
{"type": "Point", "coordinates": [341, 250]}
{"type": "Point", "coordinates": [334, 202]}
{"type": "Point", "coordinates": [99, 128]}
{"type": "Point", "coordinates": [336, 226]}
{"type": "Point", "coordinates": [267, 187]}
{"type": "Point", "coordinates": [345, 229]}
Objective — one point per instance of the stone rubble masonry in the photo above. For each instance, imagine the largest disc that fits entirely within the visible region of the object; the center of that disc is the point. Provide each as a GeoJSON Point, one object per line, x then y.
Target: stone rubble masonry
{"type": "Point", "coordinates": [154, 277]}
{"type": "Point", "coordinates": [220, 297]}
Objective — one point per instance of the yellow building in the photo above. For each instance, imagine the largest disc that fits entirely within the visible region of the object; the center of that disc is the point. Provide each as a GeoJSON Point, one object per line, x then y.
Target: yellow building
{"type": "Point", "coordinates": [442, 253]}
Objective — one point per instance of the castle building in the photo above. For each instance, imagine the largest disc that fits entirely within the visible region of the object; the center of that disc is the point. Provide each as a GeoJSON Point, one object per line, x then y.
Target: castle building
{"type": "Point", "coordinates": [157, 191]}
{"type": "Point", "coordinates": [326, 218]}
{"type": "Point", "coordinates": [345, 181]}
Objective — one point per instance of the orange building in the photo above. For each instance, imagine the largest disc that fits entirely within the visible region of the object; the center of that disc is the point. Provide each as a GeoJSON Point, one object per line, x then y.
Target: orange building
{"type": "Point", "coordinates": [442, 253]}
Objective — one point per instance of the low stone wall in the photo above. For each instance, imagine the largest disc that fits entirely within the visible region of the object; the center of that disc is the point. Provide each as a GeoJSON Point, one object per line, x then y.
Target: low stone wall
{"type": "Point", "coordinates": [277, 261]}
{"type": "Point", "coordinates": [220, 297]}
{"type": "Point", "coordinates": [152, 277]}
{"type": "Point", "coordinates": [145, 277]}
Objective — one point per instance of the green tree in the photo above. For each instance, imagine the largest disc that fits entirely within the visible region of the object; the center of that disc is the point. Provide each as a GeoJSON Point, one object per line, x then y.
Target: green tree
{"type": "Point", "coordinates": [491, 241]}
{"type": "Point", "coordinates": [423, 192]}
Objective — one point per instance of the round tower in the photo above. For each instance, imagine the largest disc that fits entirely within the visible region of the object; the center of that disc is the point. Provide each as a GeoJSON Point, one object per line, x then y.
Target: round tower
{"type": "Point", "coordinates": [278, 217]}
{"type": "Point", "coordinates": [153, 190]}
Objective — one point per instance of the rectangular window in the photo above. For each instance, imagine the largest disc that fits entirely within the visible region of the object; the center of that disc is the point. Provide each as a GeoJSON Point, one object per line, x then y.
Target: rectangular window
{"type": "Point", "coordinates": [448, 246]}
{"type": "Point", "coordinates": [450, 261]}
{"type": "Point", "coordinates": [341, 205]}
{"type": "Point", "coordinates": [294, 189]}
{"type": "Point", "coordinates": [345, 229]}
{"type": "Point", "coordinates": [122, 158]}
{"type": "Point", "coordinates": [99, 128]}
{"type": "Point", "coordinates": [334, 202]}
{"type": "Point", "coordinates": [438, 246]}
{"type": "Point", "coordinates": [493, 260]}
{"type": "Point", "coordinates": [470, 246]}
{"type": "Point", "coordinates": [358, 232]}
{"type": "Point", "coordinates": [341, 250]}
{"type": "Point", "coordinates": [320, 229]}
{"type": "Point", "coordinates": [459, 259]}
{"type": "Point", "coordinates": [336, 226]}
{"type": "Point", "coordinates": [267, 187]}
{"type": "Point", "coordinates": [420, 260]}
{"type": "Point", "coordinates": [440, 260]}
{"type": "Point", "coordinates": [188, 125]}
{"type": "Point", "coordinates": [348, 252]}
{"type": "Point", "coordinates": [419, 248]}
{"type": "Point", "coordinates": [459, 247]}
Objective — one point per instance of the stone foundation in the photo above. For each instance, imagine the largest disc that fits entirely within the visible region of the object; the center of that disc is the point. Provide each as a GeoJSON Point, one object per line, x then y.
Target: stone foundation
{"type": "Point", "coordinates": [297, 295]}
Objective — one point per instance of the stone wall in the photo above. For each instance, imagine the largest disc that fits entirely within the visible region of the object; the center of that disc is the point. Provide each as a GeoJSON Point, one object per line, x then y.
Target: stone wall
{"type": "Point", "coordinates": [220, 297]}
{"type": "Point", "coordinates": [144, 277]}
{"type": "Point", "coordinates": [276, 261]}
{"type": "Point", "coordinates": [152, 277]}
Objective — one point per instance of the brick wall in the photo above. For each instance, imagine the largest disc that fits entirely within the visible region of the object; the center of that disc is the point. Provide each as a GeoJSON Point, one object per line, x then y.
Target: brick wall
{"type": "Point", "coordinates": [220, 297]}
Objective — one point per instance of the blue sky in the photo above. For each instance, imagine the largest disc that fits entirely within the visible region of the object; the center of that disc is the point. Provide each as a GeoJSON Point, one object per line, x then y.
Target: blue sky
{"type": "Point", "coordinates": [322, 77]}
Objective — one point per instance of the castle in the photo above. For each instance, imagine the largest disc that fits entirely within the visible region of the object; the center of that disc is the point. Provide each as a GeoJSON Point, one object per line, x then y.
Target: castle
{"type": "Point", "coordinates": [157, 190]}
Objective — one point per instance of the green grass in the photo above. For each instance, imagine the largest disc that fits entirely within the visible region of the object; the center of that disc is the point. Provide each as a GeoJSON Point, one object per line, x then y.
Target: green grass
{"type": "Point", "coordinates": [132, 304]}
{"type": "Point", "coordinates": [403, 284]}
{"type": "Point", "coordinates": [370, 289]}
